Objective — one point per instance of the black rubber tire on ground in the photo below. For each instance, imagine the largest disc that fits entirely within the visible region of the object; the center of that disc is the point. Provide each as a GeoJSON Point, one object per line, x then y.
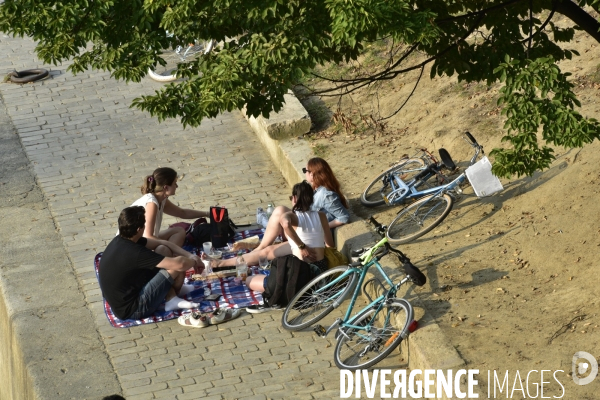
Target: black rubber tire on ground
{"type": "Point", "coordinates": [310, 305]}
{"type": "Point", "coordinates": [28, 75]}
{"type": "Point", "coordinates": [406, 169]}
{"type": "Point", "coordinates": [359, 349]}
{"type": "Point", "coordinates": [419, 218]}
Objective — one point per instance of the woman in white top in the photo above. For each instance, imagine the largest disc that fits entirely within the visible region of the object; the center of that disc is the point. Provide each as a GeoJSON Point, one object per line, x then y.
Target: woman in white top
{"type": "Point", "coordinates": [156, 190]}
{"type": "Point", "coordinates": [307, 231]}
{"type": "Point", "coordinates": [328, 199]}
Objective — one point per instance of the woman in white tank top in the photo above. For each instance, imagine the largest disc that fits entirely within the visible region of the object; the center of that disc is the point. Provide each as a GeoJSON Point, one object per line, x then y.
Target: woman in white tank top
{"type": "Point", "coordinates": [156, 190]}
{"type": "Point", "coordinates": [307, 231]}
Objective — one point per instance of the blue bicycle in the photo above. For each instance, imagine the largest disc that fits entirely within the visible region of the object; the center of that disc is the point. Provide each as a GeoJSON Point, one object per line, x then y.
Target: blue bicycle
{"type": "Point", "coordinates": [433, 204]}
{"type": "Point", "coordinates": [368, 337]}
{"type": "Point", "coordinates": [400, 182]}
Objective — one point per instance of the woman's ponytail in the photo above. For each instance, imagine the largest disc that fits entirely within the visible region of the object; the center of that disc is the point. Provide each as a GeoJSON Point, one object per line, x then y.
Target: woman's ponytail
{"type": "Point", "coordinates": [160, 178]}
{"type": "Point", "coordinates": [149, 184]}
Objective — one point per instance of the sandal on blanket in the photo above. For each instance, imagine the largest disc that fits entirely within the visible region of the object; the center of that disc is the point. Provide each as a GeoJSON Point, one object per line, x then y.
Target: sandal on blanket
{"type": "Point", "coordinates": [221, 316]}
{"type": "Point", "coordinates": [194, 320]}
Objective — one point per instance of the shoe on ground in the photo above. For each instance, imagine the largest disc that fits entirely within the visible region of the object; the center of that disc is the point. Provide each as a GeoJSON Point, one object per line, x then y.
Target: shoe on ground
{"type": "Point", "coordinates": [261, 308]}
{"type": "Point", "coordinates": [221, 316]}
{"type": "Point", "coordinates": [194, 320]}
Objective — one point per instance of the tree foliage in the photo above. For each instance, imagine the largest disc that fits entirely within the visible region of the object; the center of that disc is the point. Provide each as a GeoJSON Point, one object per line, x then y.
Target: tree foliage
{"type": "Point", "coordinates": [268, 46]}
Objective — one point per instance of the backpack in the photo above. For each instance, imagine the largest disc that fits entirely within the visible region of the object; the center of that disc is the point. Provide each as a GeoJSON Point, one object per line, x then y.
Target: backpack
{"type": "Point", "coordinates": [222, 229]}
{"type": "Point", "coordinates": [288, 275]}
{"type": "Point", "coordinates": [196, 233]}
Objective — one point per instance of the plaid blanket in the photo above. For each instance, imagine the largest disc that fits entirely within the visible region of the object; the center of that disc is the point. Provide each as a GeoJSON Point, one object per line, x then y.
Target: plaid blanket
{"type": "Point", "coordinates": [233, 295]}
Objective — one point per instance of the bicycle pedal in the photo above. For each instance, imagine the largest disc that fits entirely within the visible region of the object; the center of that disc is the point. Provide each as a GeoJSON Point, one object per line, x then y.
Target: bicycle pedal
{"type": "Point", "coordinates": [320, 330]}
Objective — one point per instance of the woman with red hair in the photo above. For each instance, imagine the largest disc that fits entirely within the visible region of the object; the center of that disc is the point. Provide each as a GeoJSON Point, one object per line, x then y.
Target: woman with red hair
{"type": "Point", "coordinates": [328, 199]}
{"type": "Point", "coordinates": [328, 196]}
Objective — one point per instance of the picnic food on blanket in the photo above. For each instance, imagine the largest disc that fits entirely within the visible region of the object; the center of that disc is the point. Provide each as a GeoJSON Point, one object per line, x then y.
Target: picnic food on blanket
{"type": "Point", "coordinates": [249, 243]}
{"type": "Point", "coordinates": [214, 275]}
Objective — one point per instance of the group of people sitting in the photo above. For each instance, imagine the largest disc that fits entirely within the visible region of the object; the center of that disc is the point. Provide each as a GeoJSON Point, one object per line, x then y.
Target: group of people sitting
{"type": "Point", "coordinates": [144, 265]}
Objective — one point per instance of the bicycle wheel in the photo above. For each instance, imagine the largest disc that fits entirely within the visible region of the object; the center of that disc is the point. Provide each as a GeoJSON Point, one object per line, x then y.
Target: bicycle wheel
{"type": "Point", "coordinates": [406, 170]}
{"type": "Point", "coordinates": [312, 303]}
{"type": "Point", "coordinates": [382, 332]}
{"type": "Point", "coordinates": [173, 57]}
{"type": "Point", "coordinates": [419, 218]}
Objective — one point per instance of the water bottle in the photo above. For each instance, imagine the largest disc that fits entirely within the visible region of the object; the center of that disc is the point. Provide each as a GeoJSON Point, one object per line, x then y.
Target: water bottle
{"type": "Point", "coordinates": [259, 212]}
{"type": "Point", "coordinates": [270, 210]}
{"type": "Point", "coordinates": [261, 217]}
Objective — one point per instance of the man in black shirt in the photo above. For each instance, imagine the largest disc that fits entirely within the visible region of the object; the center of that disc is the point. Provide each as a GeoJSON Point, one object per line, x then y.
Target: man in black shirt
{"type": "Point", "coordinates": [136, 280]}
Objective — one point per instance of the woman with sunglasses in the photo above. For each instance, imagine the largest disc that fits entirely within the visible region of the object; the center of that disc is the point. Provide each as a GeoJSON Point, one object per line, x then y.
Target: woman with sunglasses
{"type": "Point", "coordinates": [156, 190]}
{"type": "Point", "coordinates": [328, 195]}
{"type": "Point", "coordinates": [307, 232]}
{"type": "Point", "coordinates": [328, 199]}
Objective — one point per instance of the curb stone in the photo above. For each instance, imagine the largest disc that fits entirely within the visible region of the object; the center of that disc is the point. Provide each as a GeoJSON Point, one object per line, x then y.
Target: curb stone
{"type": "Point", "coordinates": [280, 136]}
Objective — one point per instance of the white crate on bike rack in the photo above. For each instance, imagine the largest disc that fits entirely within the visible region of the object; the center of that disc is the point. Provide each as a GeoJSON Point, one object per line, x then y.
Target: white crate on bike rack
{"type": "Point", "coordinates": [481, 178]}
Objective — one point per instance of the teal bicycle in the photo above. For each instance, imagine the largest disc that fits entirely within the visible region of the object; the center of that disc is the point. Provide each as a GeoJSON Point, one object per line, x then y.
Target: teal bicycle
{"type": "Point", "coordinates": [368, 337]}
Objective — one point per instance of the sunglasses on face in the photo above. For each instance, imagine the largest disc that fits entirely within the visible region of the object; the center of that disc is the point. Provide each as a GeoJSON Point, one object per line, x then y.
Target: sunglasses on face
{"type": "Point", "coordinates": [304, 170]}
{"type": "Point", "coordinates": [291, 197]}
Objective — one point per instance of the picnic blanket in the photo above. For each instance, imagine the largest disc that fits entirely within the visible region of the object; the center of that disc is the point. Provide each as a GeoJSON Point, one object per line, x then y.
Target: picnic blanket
{"type": "Point", "coordinates": [233, 294]}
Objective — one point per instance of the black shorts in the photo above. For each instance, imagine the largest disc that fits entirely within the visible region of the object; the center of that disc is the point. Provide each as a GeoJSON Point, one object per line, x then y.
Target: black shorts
{"type": "Point", "coordinates": [271, 280]}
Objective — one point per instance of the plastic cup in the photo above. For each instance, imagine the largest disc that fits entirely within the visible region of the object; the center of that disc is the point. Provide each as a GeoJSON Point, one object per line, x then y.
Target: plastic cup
{"type": "Point", "coordinates": [263, 261]}
{"type": "Point", "coordinates": [242, 273]}
{"type": "Point", "coordinates": [207, 246]}
{"type": "Point", "coordinates": [209, 266]}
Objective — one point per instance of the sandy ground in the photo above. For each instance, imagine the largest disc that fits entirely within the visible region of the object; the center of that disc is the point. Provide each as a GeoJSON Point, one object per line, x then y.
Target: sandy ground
{"type": "Point", "coordinates": [512, 278]}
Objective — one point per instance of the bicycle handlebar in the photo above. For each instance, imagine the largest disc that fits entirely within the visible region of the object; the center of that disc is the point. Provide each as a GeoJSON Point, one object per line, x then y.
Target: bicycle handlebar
{"type": "Point", "coordinates": [378, 227]}
{"type": "Point", "coordinates": [415, 275]}
{"type": "Point", "coordinates": [471, 138]}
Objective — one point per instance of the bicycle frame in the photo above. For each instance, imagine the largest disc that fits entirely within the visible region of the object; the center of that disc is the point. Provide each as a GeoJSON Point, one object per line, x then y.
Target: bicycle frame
{"type": "Point", "coordinates": [402, 191]}
{"type": "Point", "coordinates": [370, 260]}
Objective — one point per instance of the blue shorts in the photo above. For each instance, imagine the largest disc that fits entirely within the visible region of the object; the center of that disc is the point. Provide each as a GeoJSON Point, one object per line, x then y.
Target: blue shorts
{"type": "Point", "coordinates": [153, 294]}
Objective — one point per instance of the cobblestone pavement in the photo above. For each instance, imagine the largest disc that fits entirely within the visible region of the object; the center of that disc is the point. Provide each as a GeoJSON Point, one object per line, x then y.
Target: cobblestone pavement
{"type": "Point", "coordinates": [90, 152]}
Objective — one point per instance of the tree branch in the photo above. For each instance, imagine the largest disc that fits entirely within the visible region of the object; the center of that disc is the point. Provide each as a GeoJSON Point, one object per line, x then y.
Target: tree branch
{"type": "Point", "coordinates": [408, 98]}
{"type": "Point", "coordinates": [541, 27]}
{"type": "Point", "coordinates": [578, 15]}
{"type": "Point", "coordinates": [388, 74]}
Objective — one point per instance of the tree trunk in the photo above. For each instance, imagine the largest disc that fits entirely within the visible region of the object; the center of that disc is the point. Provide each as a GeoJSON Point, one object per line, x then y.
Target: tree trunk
{"type": "Point", "coordinates": [578, 15]}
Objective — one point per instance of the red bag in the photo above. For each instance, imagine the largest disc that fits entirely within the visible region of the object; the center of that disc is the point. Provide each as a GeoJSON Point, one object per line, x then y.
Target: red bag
{"type": "Point", "coordinates": [222, 229]}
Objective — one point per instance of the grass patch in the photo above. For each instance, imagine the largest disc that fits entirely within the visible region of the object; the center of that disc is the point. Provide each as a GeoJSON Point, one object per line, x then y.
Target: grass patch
{"type": "Point", "coordinates": [320, 150]}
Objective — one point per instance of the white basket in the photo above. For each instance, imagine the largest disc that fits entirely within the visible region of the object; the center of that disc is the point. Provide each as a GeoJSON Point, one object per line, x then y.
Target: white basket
{"type": "Point", "coordinates": [481, 178]}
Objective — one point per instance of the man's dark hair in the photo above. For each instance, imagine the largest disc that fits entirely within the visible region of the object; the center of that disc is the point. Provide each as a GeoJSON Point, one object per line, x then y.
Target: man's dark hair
{"type": "Point", "coordinates": [113, 397]}
{"type": "Point", "coordinates": [304, 196]}
{"type": "Point", "coordinates": [130, 220]}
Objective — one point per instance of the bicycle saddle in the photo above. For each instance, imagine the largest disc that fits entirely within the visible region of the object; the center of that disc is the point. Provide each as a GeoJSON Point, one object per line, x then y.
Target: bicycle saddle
{"type": "Point", "coordinates": [447, 160]}
{"type": "Point", "coordinates": [357, 252]}
{"type": "Point", "coordinates": [415, 274]}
